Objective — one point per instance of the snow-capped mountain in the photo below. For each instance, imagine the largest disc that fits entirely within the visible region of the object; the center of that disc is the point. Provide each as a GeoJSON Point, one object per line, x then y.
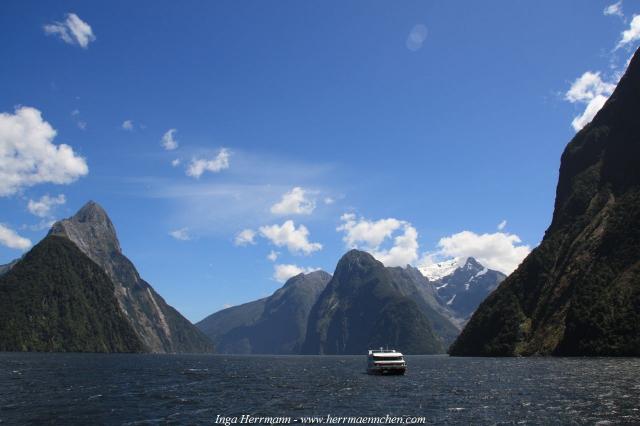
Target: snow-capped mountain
{"type": "Point", "coordinates": [438, 270]}
{"type": "Point", "coordinates": [462, 286]}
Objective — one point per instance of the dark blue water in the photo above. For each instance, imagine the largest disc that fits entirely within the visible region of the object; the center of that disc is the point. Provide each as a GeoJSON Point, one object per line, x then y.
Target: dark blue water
{"type": "Point", "coordinates": [194, 389]}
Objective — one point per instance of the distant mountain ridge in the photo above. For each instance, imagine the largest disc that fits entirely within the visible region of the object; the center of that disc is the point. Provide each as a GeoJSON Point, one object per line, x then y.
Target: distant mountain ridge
{"type": "Point", "coordinates": [274, 325]}
{"type": "Point", "coordinates": [363, 304]}
{"type": "Point", "coordinates": [578, 292]}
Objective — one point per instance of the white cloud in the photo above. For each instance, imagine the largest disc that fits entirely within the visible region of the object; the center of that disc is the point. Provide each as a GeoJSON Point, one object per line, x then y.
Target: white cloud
{"type": "Point", "coordinates": [273, 255]}
{"type": "Point", "coordinates": [181, 234]}
{"type": "Point", "coordinates": [614, 9]}
{"type": "Point", "coordinates": [295, 239]}
{"type": "Point", "coordinates": [370, 235]}
{"type": "Point", "coordinates": [9, 238]}
{"type": "Point", "coordinates": [591, 90]}
{"type": "Point", "coordinates": [43, 206]}
{"type": "Point", "coordinates": [589, 113]}
{"type": "Point", "coordinates": [199, 165]}
{"type": "Point", "coordinates": [168, 141]}
{"type": "Point", "coordinates": [416, 38]}
{"type": "Point", "coordinates": [587, 87]}
{"type": "Point", "coordinates": [632, 34]}
{"type": "Point", "coordinates": [28, 156]}
{"type": "Point", "coordinates": [245, 237]}
{"type": "Point", "coordinates": [329, 200]}
{"type": "Point", "coordinates": [500, 251]}
{"type": "Point", "coordinates": [404, 251]}
{"type": "Point", "coordinates": [175, 162]}
{"type": "Point", "coordinates": [294, 202]}
{"type": "Point", "coordinates": [82, 125]}
{"type": "Point", "coordinates": [73, 31]}
{"type": "Point", "coordinates": [282, 273]}
{"type": "Point", "coordinates": [502, 225]}
{"type": "Point", "coordinates": [127, 125]}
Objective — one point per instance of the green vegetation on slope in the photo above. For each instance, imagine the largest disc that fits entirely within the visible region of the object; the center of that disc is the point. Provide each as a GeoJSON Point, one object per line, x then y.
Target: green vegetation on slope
{"type": "Point", "coordinates": [57, 299]}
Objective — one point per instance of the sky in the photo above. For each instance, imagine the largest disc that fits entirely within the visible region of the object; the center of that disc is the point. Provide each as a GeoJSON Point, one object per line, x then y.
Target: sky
{"type": "Point", "coordinates": [235, 144]}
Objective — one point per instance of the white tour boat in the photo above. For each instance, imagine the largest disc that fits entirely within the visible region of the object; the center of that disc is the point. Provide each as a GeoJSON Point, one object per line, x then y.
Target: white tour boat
{"type": "Point", "coordinates": [385, 361]}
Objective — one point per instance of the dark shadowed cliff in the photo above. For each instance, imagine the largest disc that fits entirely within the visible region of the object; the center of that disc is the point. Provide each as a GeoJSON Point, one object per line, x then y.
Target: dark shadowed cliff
{"type": "Point", "coordinates": [578, 293]}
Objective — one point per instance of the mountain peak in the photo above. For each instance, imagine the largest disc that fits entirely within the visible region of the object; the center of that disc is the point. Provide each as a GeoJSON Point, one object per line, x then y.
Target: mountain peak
{"type": "Point", "coordinates": [91, 230]}
{"type": "Point", "coordinates": [472, 263]}
{"type": "Point", "coordinates": [91, 212]}
{"type": "Point", "coordinates": [354, 260]}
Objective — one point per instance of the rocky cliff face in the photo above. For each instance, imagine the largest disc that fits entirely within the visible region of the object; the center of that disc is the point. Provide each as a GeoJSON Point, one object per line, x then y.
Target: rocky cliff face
{"type": "Point", "coordinates": [364, 307]}
{"type": "Point", "coordinates": [274, 325]}
{"type": "Point", "coordinates": [56, 299]}
{"type": "Point", "coordinates": [159, 326]}
{"type": "Point", "coordinates": [578, 293]}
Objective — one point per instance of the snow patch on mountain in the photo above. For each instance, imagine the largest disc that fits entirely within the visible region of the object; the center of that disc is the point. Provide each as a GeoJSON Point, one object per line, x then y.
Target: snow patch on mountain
{"type": "Point", "coordinates": [437, 270]}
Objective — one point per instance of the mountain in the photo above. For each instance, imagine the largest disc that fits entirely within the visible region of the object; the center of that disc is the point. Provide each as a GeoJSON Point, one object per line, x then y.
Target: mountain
{"type": "Point", "coordinates": [159, 327]}
{"type": "Point", "coordinates": [273, 325]}
{"type": "Point", "coordinates": [438, 270]}
{"type": "Point", "coordinates": [363, 306]}
{"type": "Point", "coordinates": [467, 286]}
{"type": "Point", "coordinates": [57, 299]}
{"type": "Point", "coordinates": [578, 292]}
{"type": "Point", "coordinates": [5, 268]}
{"type": "Point", "coordinates": [413, 284]}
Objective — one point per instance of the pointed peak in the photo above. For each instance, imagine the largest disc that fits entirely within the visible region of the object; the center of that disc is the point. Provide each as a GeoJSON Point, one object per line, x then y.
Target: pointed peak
{"type": "Point", "coordinates": [91, 229]}
{"type": "Point", "coordinates": [472, 263]}
{"type": "Point", "coordinates": [91, 212]}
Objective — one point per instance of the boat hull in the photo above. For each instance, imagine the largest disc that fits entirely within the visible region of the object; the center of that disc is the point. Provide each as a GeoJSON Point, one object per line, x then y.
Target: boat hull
{"type": "Point", "coordinates": [386, 371]}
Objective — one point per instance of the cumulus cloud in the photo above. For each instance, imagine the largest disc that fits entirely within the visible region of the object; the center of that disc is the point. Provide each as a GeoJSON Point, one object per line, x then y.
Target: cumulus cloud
{"type": "Point", "coordinates": [72, 31]}
{"type": "Point", "coordinates": [632, 34]}
{"type": "Point", "coordinates": [199, 165]}
{"type": "Point", "coordinates": [295, 239]}
{"type": "Point", "coordinates": [127, 125]}
{"type": "Point", "coordinates": [592, 90]}
{"type": "Point", "coordinates": [416, 38]}
{"type": "Point", "coordinates": [175, 162]}
{"type": "Point", "coordinates": [614, 9]}
{"type": "Point", "coordinates": [282, 273]}
{"type": "Point", "coordinates": [168, 141]}
{"type": "Point", "coordinates": [273, 255]}
{"type": "Point", "coordinates": [44, 206]}
{"type": "Point", "coordinates": [370, 235]}
{"type": "Point", "coordinates": [589, 113]}
{"type": "Point", "coordinates": [500, 251]}
{"type": "Point", "coordinates": [328, 200]}
{"type": "Point", "coordinates": [294, 202]}
{"type": "Point", "coordinates": [9, 238]}
{"type": "Point", "coordinates": [29, 157]}
{"type": "Point", "coordinates": [502, 225]}
{"type": "Point", "coordinates": [181, 234]}
{"type": "Point", "coordinates": [245, 237]}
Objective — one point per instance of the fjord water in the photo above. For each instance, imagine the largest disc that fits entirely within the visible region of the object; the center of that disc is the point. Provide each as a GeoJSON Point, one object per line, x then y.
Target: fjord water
{"type": "Point", "coordinates": [193, 389]}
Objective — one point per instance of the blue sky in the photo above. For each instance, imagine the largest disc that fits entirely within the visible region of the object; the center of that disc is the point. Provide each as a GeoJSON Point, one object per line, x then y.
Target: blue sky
{"type": "Point", "coordinates": [411, 129]}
